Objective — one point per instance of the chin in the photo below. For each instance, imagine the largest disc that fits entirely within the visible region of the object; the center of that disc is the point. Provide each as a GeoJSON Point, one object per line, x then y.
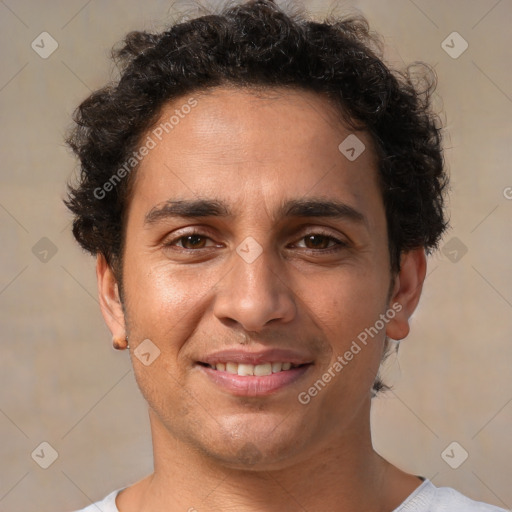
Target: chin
{"type": "Point", "coordinates": [256, 443]}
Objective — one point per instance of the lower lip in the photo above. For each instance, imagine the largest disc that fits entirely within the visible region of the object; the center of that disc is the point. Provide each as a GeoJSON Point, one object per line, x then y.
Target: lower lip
{"type": "Point", "coordinates": [254, 385]}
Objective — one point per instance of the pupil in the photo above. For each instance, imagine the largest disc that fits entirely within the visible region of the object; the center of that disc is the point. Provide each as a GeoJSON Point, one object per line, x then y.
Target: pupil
{"type": "Point", "coordinates": [320, 240]}
{"type": "Point", "coordinates": [193, 240]}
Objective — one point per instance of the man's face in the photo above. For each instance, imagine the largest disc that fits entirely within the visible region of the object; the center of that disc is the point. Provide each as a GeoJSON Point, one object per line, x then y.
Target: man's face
{"type": "Point", "coordinates": [257, 254]}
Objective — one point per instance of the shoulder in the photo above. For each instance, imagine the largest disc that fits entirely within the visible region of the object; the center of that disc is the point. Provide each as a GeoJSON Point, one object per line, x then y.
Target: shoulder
{"type": "Point", "coordinates": [108, 504]}
{"type": "Point", "coordinates": [428, 498]}
{"type": "Point", "coordinates": [447, 499]}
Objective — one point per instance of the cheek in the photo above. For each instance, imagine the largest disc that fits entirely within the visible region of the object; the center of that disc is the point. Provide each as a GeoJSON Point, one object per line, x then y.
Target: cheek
{"type": "Point", "coordinates": [347, 307]}
{"type": "Point", "coordinates": [164, 292]}
{"type": "Point", "coordinates": [346, 302]}
{"type": "Point", "coordinates": [168, 304]}
{"type": "Point", "coordinates": [162, 386]}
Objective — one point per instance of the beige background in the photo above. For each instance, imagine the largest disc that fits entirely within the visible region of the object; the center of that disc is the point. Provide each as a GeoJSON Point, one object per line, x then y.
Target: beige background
{"type": "Point", "coordinates": [61, 382]}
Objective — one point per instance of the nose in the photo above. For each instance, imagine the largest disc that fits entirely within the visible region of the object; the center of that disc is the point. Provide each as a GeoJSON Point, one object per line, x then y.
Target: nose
{"type": "Point", "coordinates": [254, 294]}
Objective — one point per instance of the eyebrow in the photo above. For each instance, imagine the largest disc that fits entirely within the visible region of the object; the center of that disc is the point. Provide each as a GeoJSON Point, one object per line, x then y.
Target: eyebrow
{"type": "Point", "coordinates": [186, 209]}
{"type": "Point", "coordinates": [311, 207]}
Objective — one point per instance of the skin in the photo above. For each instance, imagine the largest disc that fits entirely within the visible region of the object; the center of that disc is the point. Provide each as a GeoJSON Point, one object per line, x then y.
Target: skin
{"type": "Point", "coordinates": [214, 451]}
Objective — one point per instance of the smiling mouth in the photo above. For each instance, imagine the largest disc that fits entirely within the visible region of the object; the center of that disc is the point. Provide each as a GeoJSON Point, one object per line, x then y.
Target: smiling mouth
{"type": "Point", "coordinates": [249, 370]}
{"type": "Point", "coordinates": [254, 380]}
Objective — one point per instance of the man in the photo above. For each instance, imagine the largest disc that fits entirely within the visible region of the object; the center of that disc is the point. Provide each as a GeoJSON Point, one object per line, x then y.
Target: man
{"type": "Point", "coordinates": [261, 192]}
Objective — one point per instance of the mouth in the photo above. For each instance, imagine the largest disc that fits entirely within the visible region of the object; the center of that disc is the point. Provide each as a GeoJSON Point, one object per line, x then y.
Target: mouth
{"type": "Point", "coordinates": [254, 380]}
{"type": "Point", "coordinates": [244, 372]}
{"type": "Point", "coordinates": [250, 370]}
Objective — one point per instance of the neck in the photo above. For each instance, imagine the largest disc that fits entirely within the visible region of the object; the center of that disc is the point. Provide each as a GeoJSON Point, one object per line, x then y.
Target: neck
{"type": "Point", "coordinates": [342, 473]}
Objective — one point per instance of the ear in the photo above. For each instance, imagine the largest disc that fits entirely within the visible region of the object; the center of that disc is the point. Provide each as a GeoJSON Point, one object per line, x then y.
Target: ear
{"type": "Point", "coordinates": [406, 292]}
{"type": "Point", "coordinates": [110, 302]}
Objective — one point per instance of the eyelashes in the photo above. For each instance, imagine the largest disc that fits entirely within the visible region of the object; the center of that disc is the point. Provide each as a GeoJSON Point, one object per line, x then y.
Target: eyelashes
{"type": "Point", "coordinates": [323, 237]}
{"type": "Point", "coordinates": [196, 240]}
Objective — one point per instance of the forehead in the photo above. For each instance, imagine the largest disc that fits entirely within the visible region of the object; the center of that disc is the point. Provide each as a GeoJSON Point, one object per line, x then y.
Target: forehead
{"type": "Point", "coordinates": [241, 144]}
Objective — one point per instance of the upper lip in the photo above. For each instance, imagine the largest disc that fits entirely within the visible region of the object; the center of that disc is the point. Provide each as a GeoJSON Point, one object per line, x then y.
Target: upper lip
{"type": "Point", "coordinates": [277, 355]}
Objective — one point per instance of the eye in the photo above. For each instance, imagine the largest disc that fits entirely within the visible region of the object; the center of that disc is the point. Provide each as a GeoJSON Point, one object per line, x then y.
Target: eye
{"type": "Point", "coordinates": [190, 241]}
{"type": "Point", "coordinates": [313, 242]}
{"type": "Point", "coordinates": [321, 242]}
{"type": "Point", "coordinates": [193, 241]}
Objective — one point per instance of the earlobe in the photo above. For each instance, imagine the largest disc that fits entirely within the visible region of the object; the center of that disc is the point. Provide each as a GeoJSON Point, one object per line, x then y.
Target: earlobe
{"type": "Point", "coordinates": [407, 291]}
{"type": "Point", "coordinates": [110, 301]}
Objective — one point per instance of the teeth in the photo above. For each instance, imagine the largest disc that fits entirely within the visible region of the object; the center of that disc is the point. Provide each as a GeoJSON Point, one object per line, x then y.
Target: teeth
{"type": "Point", "coordinates": [231, 367]}
{"type": "Point", "coordinates": [258, 370]}
{"type": "Point", "coordinates": [245, 369]}
{"type": "Point", "coordinates": [263, 369]}
{"type": "Point", "coordinates": [277, 367]}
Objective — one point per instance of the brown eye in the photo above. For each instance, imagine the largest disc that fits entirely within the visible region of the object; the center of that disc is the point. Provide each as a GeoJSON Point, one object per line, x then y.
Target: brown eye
{"type": "Point", "coordinates": [317, 241]}
{"type": "Point", "coordinates": [320, 244]}
{"type": "Point", "coordinates": [193, 241]}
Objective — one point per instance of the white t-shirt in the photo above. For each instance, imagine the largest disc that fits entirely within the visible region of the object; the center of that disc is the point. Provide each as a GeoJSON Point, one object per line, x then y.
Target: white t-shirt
{"type": "Point", "coordinates": [426, 498]}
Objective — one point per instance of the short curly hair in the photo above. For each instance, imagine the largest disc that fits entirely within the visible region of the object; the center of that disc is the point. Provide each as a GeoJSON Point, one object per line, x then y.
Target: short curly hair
{"type": "Point", "coordinates": [257, 44]}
